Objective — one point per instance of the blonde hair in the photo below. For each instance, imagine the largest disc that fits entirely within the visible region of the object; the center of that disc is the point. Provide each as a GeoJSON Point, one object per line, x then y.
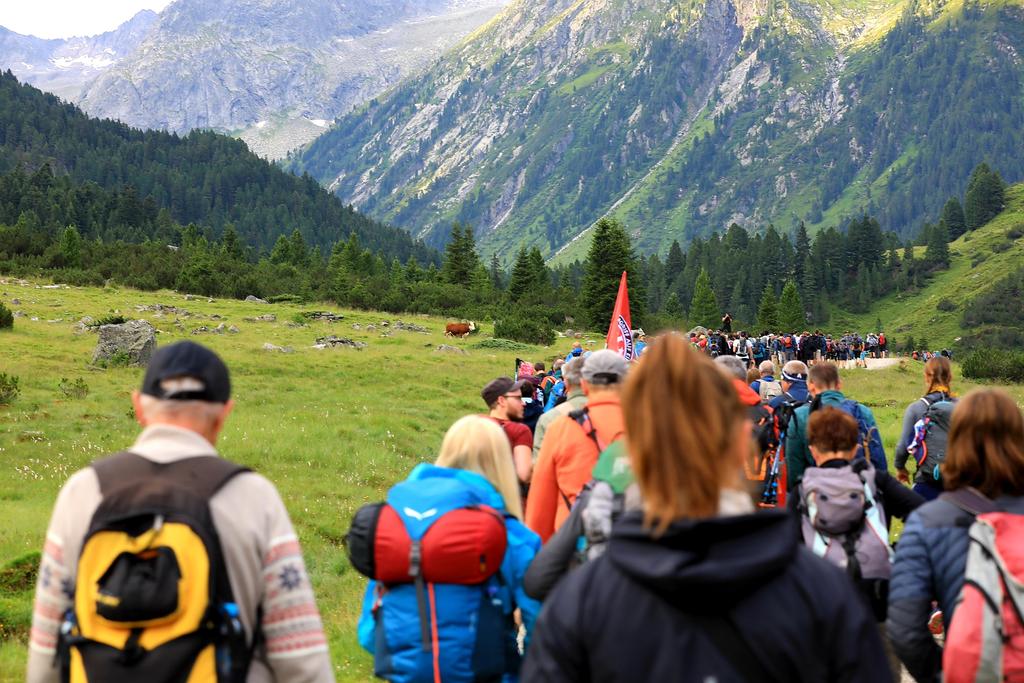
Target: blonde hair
{"type": "Point", "coordinates": [681, 414]}
{"type": "Point", "coordinates": [478, 444]}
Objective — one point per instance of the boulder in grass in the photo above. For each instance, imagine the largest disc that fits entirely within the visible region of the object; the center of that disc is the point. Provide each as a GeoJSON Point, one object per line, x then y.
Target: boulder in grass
{"type": "Point", "coordinates": [448, 348]}
{"type": "Point", "coordinates": [132, 342]}
{"type": "Point", "coordinates": [255, 300]}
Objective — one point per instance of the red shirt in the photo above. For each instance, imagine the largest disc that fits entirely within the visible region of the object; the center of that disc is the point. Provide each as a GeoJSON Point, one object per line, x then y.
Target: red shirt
{"type": "Point", "coordinates": [518, 434]}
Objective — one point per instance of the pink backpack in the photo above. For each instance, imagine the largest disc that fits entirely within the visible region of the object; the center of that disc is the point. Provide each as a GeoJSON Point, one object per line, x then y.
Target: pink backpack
{"type": "Point", "coordinates": [985, 640]}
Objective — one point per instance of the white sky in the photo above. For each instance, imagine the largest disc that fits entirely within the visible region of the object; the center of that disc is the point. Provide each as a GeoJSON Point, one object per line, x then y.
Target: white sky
{"type": "Point", "coordinates": [66, 18]}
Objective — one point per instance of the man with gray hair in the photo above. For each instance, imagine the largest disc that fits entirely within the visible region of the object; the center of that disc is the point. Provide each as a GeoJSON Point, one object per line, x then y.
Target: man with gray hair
{"type": "Point", "coordinates": [575, 399]}
{"type": "Point", "coordinates": [573, 443]}
{"type": "Point", "coordinates": [102, 602]}
{"type": "Point", "coordinates": [733, 367]}
{"type": "Point", "coordinates": [766, 387]}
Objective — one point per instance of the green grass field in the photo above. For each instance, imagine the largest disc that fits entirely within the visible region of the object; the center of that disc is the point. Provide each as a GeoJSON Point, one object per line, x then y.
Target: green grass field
{"type": "Point", "coordinates": [332, 429]}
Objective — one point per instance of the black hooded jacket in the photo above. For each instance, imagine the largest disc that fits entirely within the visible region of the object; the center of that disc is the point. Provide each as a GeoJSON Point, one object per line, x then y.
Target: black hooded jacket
{"type": "Point", "coordinates": [644, 610]}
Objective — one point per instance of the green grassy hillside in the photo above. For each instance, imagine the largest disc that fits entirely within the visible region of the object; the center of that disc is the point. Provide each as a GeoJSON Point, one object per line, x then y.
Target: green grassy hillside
{"type": "Point", "coordinates": [978, 260]}
{"type": "Point", "coordinates": [333, 429]}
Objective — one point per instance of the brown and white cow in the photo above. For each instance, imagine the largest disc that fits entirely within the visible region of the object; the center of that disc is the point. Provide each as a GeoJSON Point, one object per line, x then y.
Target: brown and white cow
{"type": "Point", "coordinates": [459, 329]}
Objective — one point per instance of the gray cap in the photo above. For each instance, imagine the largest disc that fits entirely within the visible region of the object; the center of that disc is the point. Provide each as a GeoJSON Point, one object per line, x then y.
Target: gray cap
{"type": "Point", "coordinates": [604, 367]}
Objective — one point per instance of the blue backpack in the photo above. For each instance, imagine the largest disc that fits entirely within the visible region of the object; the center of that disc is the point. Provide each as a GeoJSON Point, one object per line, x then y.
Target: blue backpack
{"type": "Point", "coordinates": [438, 607]}
{"type": "Point", "coordinates": [870, 438]}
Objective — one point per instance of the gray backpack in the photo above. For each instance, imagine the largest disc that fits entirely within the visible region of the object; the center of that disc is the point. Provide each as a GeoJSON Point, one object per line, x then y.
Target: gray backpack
{"type": "Point", "coordinates": [843, 520]}
{"type": "Point", "coordinates": [931, 434]}
{"type": "Point", "coordinates": [769, 390]}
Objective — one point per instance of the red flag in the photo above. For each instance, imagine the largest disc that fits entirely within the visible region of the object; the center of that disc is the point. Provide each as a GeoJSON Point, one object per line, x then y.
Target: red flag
{"type": "Point", "coordinates": [620, 331]}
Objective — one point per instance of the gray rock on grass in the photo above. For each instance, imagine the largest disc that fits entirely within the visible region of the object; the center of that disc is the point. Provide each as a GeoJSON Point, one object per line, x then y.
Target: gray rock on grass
{"type": "Point", "coordinates": [255, 300]}
{"type": "Point", "coordinates": [134, 340]}
{"type": "Point", "coordinates": [448, 348]}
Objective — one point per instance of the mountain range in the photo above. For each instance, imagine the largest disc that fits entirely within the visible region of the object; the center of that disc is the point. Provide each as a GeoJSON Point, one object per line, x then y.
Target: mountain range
{"type": "Point", "coordinates": [274, 72]}
{"type": "Point", "coordinates": [681, 118]}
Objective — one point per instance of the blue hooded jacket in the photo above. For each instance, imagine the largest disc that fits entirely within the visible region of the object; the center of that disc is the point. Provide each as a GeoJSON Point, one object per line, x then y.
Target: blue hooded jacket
{"type": "Point", "coordinates": [389, 626]}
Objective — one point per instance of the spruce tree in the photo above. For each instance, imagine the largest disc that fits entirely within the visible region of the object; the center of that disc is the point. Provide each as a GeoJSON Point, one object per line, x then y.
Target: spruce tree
{"type": "Point", "coordinates": [674, 263]}
{"type": "Point", "coordinates": [672, 307]}
{"type": "Point", "coordinates": [937, 253]}
{"type": "Point", "coordinates": [802, 243]}
{"type": "Point", "coordinates": [704, 309]}
{"type": "Point", "coordinates": [791, 309]}
{"type": "Point", "coordinates": [768, 311]}
{"type": "Point", "coordinates": [497, 276]}
{"type": "Point", "coordinates": [610, 254]}
{"type": "Point", "coordinates": [953, 216]}
{"type": "Point", "coordinates": [460, 257]}
{"type": "Point", "coordinates": [984, 199]}
{"type": "Point", "coordinates": [521, 282]}
{"type": "Point", "coordinates": [71, 247]}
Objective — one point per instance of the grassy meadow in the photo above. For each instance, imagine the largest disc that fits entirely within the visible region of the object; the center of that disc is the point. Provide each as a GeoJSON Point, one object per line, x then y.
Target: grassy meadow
{"type": "Point", "coordinates": [331, 428]}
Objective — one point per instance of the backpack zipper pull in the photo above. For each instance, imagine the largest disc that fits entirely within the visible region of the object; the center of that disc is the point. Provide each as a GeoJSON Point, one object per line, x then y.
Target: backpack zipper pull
{"type": "Point", "coordinates": [158, 523]}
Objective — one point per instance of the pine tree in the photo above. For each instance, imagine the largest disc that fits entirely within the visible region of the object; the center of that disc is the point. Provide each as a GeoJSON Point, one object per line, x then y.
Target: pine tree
{"type": "Point", "coordinates": [937, 253]}
{"type": "Point", "coordinates": [460, 257]}
{"type": "Point", "coordinates": [985, 196]}
{"type": "Point", "coordinates": [791, 309]}
{"type": "Point", "coordinates": [610, 254]}
{"type": "Point", "coordinates": [521, 282]}
{"type": "Point", "coordinates": [803, 249]}
{"type": "Point", "coordinates": [71, 247]}
{"type": "Point", "coordinates": [497, 276]}
{"type": "Point", "coordinates": [953, 216]}
{"type": "Point", "coordinates": [674, 263]}
{"type": "Point", "coordinates": [704, 309]}
{"type": "Point", "coordinates": [768, 311]}
{"type": "Point", "coordinates": [672, 307]}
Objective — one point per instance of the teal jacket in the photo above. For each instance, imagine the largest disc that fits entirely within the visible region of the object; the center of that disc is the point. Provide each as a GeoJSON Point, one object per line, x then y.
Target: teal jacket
{"type": "Point", "coordinates": [798, 455]}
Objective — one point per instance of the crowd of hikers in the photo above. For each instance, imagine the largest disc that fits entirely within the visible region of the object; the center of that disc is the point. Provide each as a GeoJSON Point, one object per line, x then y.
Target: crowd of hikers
{"type": "Point", "coordinates": [691, 515]}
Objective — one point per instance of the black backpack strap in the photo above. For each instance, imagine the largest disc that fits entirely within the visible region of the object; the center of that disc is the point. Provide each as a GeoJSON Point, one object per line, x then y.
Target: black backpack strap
{"type": "Point", "coordinates": [582, 418]}
{"type": "Point", "coordinates": [120, 467]}
{"type": "Point", "coordinates": [203, 474]}
{"type": "Point", "coordinates": [970, 500]}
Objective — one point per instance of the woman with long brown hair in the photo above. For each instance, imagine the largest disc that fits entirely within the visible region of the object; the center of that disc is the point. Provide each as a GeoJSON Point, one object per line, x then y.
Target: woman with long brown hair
{"type": "Point", "coordinates": [925, 433]}
{"type": "Point", "coordinates": [695, 586]}
{"type": "Point", "coordinates": [983, 469]}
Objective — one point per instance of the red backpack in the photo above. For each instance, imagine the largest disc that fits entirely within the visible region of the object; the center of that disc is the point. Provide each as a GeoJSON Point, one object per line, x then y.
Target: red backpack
{"type": "Point", "coordinates": [985, 640]}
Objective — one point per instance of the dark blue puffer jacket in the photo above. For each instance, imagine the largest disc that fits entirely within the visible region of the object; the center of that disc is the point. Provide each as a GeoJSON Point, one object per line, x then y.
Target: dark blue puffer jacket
{"type": "Point", "coordinates": [930, 561]}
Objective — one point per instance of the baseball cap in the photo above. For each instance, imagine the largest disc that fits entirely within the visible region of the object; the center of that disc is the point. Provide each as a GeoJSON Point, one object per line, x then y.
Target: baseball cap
{"type": "Point", "coordinates": [604, 367]}
{"type": "Point", "coordinates": [203, 375]}
{"type": "Point", "coordinates": [499, 387]}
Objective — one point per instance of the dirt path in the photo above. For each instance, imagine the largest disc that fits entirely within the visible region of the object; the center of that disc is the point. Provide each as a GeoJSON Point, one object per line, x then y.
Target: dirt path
{"type": "Point", "coordinates": [882, 363]}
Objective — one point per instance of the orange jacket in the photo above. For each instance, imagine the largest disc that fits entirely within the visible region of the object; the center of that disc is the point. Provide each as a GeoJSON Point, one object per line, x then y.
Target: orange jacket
{"type": "Point", "coordinates": [566, 461]}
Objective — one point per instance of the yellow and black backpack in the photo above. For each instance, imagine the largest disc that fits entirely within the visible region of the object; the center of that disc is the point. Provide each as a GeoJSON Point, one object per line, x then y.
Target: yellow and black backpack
{"type": "Point", "coordinates": [152, 600]}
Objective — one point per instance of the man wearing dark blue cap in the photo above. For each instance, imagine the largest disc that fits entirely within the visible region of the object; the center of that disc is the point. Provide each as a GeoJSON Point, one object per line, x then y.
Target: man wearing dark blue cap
{"type": "Point", "coordinates": [182, 405]}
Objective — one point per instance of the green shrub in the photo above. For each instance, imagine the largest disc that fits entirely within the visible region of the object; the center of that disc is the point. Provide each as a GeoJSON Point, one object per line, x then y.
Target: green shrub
{"type": "Point", "coordinates": [119, 359]}
{"type": "Point", "coordinates": [17, 583]}
{"type": "Point", "coordinates": [76, 388]}
{"type": "Point", "coordinates": [995, 364]}
{"type": "Point", "coordinates": [6, 318]}
{"type": "Point", "coordinates": [519, 327]}
{"type": "Point", "coordinates": [114, 319]}
{"type": "Point", "coordinates": [501, 345]}
{"type": "Point", "coordinates": [945, 305]}
{"type": "Point", "coordinates": [8, 388]}
{"type": "Point", "coordinates": [1015, 233]}
{"type": "Point", "coordinates": [1002, 246]}
{"type": "Point", "coordinates": [978, 259]}
{"type": "Point", "coordinates": [286, 299]}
